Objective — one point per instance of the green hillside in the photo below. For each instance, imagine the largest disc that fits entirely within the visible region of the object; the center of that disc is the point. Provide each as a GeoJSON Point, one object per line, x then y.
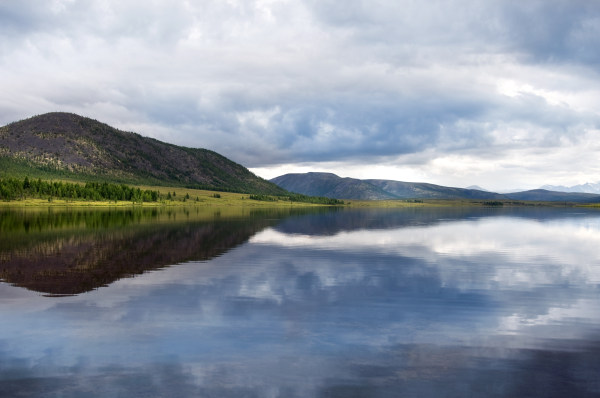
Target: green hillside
{"type": "Point", "coordinates": [68, 146]}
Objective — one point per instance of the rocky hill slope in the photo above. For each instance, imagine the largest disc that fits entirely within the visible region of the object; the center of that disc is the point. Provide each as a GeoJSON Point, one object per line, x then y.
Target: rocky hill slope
{"type": "Point", "coordinates": [71, 146]}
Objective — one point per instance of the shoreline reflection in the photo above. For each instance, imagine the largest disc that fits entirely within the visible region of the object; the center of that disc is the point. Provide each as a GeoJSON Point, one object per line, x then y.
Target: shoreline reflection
{"type": "Point", "coordinates": [71, 252]}
{"type": "Point", "coordinates": [342, 303]}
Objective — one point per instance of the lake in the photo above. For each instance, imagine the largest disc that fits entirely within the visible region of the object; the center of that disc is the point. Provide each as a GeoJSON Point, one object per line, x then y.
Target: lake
{"type": "Point", "coordinates": [418, 302]}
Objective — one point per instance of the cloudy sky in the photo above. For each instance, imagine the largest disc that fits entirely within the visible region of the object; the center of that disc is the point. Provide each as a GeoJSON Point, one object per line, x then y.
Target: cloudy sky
{"type": "Point", "coordinates": [503, 94]}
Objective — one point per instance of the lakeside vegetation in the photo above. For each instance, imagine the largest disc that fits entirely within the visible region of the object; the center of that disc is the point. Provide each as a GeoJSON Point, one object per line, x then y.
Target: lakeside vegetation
{"type": "Point", "coordinates": [298, 198]}
{"type": "Point", "coordinates": [392, 203]}
{"type": "Point", "coordinates": [15, 192]}
{"type": "Point", "coordinates": [15, 189]}
{"type": "Point", "coordinates": [38, 192]}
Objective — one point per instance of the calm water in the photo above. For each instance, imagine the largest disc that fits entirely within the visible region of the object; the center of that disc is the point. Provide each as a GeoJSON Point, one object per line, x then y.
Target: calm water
{"type": "Point", "coordinates": [340, 303]}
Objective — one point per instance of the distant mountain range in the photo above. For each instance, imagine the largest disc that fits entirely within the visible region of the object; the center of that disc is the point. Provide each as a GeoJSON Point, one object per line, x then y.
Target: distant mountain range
{"type": "Point", "coordinates": [587, 188]}
{"type": "Point", "coordinates": [65, 145]}
{"type": "Point", "coordinates": [333, 186]}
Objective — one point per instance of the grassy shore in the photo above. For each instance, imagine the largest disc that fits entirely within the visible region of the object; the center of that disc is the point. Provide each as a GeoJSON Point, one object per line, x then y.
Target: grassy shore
{"type": "Point", "coordinates": [202, 198]}
{"type": "Point", "coordinates": [196, 197]}
{"type": "Point", "coordinates": [461, 203]}
{"type": "Point", "coordinates": [179, 197]}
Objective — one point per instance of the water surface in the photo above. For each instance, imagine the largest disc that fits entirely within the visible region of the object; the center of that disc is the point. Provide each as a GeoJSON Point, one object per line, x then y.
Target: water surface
{"type": "Point", "coordinates": [325, 303]}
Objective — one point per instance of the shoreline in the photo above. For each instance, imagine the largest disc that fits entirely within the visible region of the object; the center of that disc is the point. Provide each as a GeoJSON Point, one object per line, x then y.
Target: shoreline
{"type": "Point", "coordinates": [227, 199]}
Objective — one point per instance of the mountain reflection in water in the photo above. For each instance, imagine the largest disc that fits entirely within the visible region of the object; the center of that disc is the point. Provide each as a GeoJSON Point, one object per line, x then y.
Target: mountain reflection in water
{"type": "Point", "coordinates": [71, 252]}
{"type": "Point", "coordinates": [432, 302]}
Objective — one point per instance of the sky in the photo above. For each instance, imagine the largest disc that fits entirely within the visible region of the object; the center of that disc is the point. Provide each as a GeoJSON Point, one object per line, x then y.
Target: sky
{"type": "Point", "coordinates": [500, 94]}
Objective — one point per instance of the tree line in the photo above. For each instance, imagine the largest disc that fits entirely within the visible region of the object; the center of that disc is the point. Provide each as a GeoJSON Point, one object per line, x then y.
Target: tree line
{"type": "Point", "coordinates": [293, 197]}
{"type": "Point", "coordinates": [14, 189]}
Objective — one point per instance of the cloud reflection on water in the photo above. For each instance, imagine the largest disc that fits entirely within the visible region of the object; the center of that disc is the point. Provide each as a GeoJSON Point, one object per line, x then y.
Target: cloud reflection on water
{"type": "Point", "coordinates": [494, 306]}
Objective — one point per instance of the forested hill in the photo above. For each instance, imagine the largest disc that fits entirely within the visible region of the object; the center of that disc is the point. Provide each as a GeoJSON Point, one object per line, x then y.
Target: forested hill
{"type": "Point", "coordinates": [71, 146]}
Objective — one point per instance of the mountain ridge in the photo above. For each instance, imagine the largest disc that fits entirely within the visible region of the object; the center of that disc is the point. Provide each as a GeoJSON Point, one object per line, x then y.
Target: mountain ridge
{"type": "Point", "coordinates": [588, 187]}
{"type": "Point", "coordinates": [328, 185]}
{"type": "Point", "coordinates": [331, 185]}
{"type": "Point", "coordinates": [78, 147]}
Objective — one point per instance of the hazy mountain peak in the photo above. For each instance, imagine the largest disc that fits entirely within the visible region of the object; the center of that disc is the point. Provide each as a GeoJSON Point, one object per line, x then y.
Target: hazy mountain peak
{"type": "Point", "coordinates": [477, 187]}
{"type": "Point", "coordinates": [585, 188]}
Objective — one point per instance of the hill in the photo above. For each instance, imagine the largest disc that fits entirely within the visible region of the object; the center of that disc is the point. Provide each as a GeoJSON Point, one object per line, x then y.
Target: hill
{"type": "Point", "coordinates": [554, 196]}
{"type": "Point", "coordinates": [333, 186]}
{"type": "Point", "coordinates": [65, 145]}
{"type": "Point", "coordinates": [421, 190]}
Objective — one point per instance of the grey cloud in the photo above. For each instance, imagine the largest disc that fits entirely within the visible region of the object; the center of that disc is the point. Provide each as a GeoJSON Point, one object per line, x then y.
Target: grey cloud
{"type": "Point", "coordinates": [24, 17]}
{"type": "Point", "coordinates": [543, 31]}
{"type": "Point", "coordinates": [154, 23]}
{"type": "Point", "coordinates": [554, 31]}
{"type": "Point", "coordinates": [344, 126]}
{"type": "Point", "coordinates": [550, 125]}
{"type": "Point", "coordinates": [351, 126]}
{"type": "Point", "coordinates": [310, 81]}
